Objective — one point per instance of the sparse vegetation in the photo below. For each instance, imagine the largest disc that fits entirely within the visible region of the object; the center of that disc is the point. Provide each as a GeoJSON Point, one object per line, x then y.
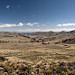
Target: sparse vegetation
{"type": "Point", "coordinates": [19, 68]}
{"type": "Point", "coordinates": [2, 58]}
{"type": "Point", "coordinates": [31, 54]}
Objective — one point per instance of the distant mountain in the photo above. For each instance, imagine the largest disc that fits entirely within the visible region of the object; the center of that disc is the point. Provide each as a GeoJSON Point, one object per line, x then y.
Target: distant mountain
{"type": "Point", "coordinates": [9, 34]}
{"type": "Point", "coordinates": [53, 33]}
{"type": "Point", "coordinates": [44, 33]}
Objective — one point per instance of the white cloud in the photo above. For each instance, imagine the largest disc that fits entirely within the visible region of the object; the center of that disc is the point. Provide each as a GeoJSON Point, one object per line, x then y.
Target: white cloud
{"type": "Point", "coordinates": [43, 24]}
{"type": "Point", "coordinates": [29, 24]}
{"type": "Point", "coordinates": [45, 30]}
{"type": "Point", "coordinates": [20, 24]}
{"type": "Point", "coordinates": [35, 23]}
{"type": "Point", "coordinates": [67, 24]}
{"type": "Point", "coordinates": [29, 30]}
{"type": "Point", "coordinates": [11, 25]}
{"type": "Point", "coordinates": [7, 6]}
{"type": "Point", "coordinates": [32, 24]}
{"type": "Point", "coordinates": [7, 25]}
{"type": "Point", "coordinates": [38, 25]}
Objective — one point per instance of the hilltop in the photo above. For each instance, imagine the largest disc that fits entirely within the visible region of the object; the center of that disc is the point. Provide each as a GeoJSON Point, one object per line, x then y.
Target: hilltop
{"type": "Point", "coordinates": [63, 37]}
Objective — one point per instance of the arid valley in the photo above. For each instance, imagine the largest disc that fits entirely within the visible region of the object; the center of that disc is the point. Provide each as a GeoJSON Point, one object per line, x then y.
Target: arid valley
{"type": "Point", "coordinates": [39, 53]}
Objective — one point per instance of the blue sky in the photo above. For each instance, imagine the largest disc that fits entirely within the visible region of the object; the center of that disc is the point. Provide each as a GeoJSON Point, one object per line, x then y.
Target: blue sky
{"type": "Point", "coordinates": [37, 15]}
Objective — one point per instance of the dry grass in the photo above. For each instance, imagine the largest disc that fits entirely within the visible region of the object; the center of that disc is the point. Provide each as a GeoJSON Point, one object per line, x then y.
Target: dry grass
{"type": "Point", "coordinates": [35, 52]}
{"type": "Point", "coordinates": [22, 50]}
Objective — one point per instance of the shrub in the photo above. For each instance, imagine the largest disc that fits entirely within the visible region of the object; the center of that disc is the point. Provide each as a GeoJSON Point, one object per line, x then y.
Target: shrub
{"type": "Point", "coordinates": [2, 58]}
